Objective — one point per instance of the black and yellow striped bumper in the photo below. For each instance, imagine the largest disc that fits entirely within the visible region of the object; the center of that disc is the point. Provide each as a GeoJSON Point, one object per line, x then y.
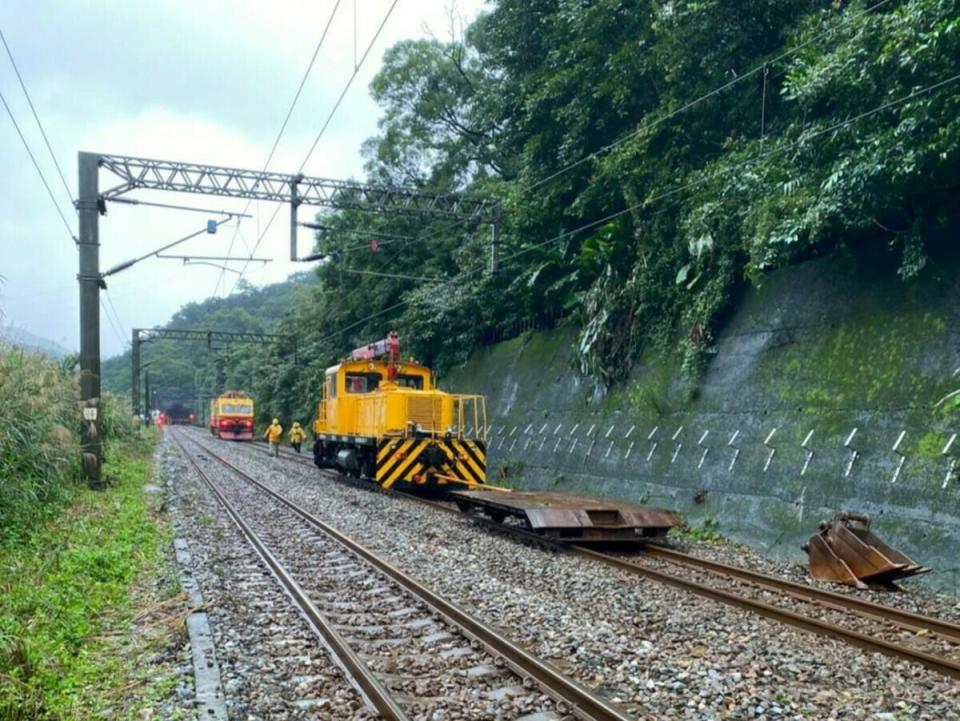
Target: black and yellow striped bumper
{"type": "Point", "coordinates": [424, 461]}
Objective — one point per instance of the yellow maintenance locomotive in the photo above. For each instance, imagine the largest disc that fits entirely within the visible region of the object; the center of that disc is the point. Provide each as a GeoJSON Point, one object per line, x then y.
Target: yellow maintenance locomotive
{"type": "Point", "coordinates": [383, 419]}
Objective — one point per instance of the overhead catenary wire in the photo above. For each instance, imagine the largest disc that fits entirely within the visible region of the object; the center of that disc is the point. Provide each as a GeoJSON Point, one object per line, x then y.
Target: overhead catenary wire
{"type": "Point", "coordinates": [762, 67]}
{"type": "Point", "coordinates": [646, 127]}
{"type": "Point", "coordinates": [357, 291]}
{"type": "Point", "coordinates": [804, 138]}
{"type": "Point", "coordinates": [111, 323]}
{"type": "Point", "coordinates": [401, 276]}
{"type": "Point", "coordinates": [350, 231]}
{"type": "Point", "coordinates": [171, 206]}
{"type": "Point", "coordinates": [659, 120]}
{"type": "Point", "coordinates": [366, 246]}
{"type": "Point", "coordinates": [36, 116]}
{"type": "Point", "coordinates": [36, 166]}
{"type": "Point", "coordinates": [120, 324]}
{"type": "Point", "coordinates": [286, 121]}
{"type": "Point", "coordinates": [126, 264]}
{"type": "Point", "coordinates": [323, 128]}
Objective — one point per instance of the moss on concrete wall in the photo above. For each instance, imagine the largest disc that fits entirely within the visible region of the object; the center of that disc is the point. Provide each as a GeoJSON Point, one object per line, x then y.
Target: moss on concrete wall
{"type": "Point", "coordinates": [826, 347]}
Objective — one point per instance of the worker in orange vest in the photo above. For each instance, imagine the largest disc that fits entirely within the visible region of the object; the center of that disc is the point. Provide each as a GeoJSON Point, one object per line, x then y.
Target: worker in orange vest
{"type": "Point", "coordinates": [296, 436]}
{"type": "Point", "coordinates": [274, 434]}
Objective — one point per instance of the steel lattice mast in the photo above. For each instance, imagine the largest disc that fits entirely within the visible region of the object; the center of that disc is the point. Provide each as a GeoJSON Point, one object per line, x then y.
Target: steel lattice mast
{"type": "Point", "coordinates": [138, 336]}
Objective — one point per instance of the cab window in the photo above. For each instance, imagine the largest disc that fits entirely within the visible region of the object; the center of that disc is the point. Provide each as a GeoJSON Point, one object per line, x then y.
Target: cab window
{"type": "Point", "coordinates": [240, 408]}
{"type": "Point", "coordinates": [331, 386]}
{"type": "Point", "coordinates": [362, 382]}
{"type": "Point", "coordinates": [415, 382]}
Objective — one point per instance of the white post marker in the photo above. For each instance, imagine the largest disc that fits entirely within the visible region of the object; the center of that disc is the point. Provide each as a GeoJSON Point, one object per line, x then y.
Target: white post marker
{"type": "Point", "coordinates": [773, 451]}
{"type": "Point", "coordinates": [854, 453]}
{"type": "Point", "coordinates": [736, 451]}
{"type": "Point", "coordinates": [809, 451]}
{"type": "Point", "coordinates": [902, 456]}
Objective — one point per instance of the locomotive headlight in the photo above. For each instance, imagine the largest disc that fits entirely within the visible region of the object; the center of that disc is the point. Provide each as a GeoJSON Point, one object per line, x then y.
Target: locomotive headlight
{"type": "Point", "coordinates": [419, 428]}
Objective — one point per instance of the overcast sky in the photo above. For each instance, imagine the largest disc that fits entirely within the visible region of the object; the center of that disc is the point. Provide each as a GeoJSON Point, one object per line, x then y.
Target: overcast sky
{"type": "Point", "coordinates": [205, 81]}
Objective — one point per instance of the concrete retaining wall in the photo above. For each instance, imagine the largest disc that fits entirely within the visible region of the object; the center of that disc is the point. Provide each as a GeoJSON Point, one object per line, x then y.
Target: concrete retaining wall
{"type": "Point", "coordinates": [837, 353]}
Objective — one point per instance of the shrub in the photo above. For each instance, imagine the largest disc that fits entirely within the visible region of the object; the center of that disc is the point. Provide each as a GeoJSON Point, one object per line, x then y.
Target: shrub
{"type": "Point", "coordinates": [39, 454]}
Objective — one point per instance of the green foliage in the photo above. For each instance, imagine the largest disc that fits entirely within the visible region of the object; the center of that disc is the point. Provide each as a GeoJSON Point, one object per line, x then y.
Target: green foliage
{"type": "Point", "coordinates": [930, 444]}
{"type": "Point", "coordinates": [39, 452]}
{"type": "Point", "coordinates": [67, 593]}
{"type": "Point", "coordinates": [510, 474]}
{"type": "Point", "coordinates": [39, 429]}
{"type": "Point", "coordinates": [714, 196]}
{"type": "Point", "coordinates": [116, 423]}
{"type": "Point", "coordinates": [650, 159]}
{"type": "Point", "coordinates": [707, 531]}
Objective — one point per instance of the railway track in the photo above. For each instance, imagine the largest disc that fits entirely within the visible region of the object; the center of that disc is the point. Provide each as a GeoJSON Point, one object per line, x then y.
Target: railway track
{"type": "Point", "coordinates": [924, 640]}
{"type": "Point", "coordinates": [368, 612]}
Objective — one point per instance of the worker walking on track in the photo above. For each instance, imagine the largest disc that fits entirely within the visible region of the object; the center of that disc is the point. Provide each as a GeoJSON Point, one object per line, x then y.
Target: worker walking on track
{"type": "Point", "coordinates": [274, 434]}
{"type": "Point", "coordinates": [297, 435]}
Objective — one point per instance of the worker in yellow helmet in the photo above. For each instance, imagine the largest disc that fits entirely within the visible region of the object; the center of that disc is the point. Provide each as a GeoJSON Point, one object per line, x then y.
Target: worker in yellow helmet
{"type": "Point", "coordinates": [297, 435]}
{"type": "Point", "coordinates": [274, 434]}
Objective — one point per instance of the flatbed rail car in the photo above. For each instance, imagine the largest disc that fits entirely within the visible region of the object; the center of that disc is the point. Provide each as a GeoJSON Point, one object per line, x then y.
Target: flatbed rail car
{"type": "Point", "coordinates": [385, 420]}
{"type": "Point", "coordinates": [572, 519]}
{"type": "Point", "coordinates": [231, 416]}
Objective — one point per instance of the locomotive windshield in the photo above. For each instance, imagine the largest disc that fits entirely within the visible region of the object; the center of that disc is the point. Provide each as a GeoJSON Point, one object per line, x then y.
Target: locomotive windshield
{"type": "Point", "coordinates": [362, 382]}
{"type": "Point", "coordinates": [239, 408]}
{"type": "Point", "coordinates": [415, 382]}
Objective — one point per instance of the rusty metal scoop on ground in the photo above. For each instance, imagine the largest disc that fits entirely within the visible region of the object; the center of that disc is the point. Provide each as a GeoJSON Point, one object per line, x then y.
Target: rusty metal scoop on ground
{"type": "Point", "coordinates": [847, 551]}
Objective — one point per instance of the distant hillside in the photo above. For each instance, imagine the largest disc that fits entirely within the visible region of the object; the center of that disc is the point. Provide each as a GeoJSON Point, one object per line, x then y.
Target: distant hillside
{"type": "Point", "coordinates": [25, 339]}
{"type": "Point", "coordinates": [188, 371]}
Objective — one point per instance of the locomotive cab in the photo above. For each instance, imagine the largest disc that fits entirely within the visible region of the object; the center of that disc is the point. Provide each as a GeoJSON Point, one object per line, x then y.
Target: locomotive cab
{"type": "Point", "coordinates": [386, 420]}
{"type": "Point", "coordinates": [231, 416]}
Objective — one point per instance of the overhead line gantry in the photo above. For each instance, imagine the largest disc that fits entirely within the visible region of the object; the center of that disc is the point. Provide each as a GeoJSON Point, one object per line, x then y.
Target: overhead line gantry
{"type": "Point", "coordinates": [138, 336]}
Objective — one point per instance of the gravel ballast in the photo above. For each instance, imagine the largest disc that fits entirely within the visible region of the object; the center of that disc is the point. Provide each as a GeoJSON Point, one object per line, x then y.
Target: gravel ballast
{"type": "Point", "coordinates": [271, 664]}
{"type": "Point", "coordinates": [660, 651]}
{"type": "Point", "coordinates": [428, 665]}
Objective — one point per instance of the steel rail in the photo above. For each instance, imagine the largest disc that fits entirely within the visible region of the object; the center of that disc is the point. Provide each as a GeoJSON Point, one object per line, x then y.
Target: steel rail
{"type": "Point", "coordinates": [813, 625]}
{"type": "Point", "coordinates": [369, 687]}
{"type": "Point", "coordinates": [823, 628]}
{"type": "Point", "coordinates": [555, 684]}
{"type": "Point", "coordinates": [906, 619]}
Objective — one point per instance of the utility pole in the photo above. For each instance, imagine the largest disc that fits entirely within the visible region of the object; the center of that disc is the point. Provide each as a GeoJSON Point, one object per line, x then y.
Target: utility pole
{"type": "Point", "coordinates": [135, 372]}
{"type": "Point", "coordinates": [88, 245]}
{"type": "Point", "coordinates": [294, 204]}
{"type": "Point", "coordinates": [146, 397]}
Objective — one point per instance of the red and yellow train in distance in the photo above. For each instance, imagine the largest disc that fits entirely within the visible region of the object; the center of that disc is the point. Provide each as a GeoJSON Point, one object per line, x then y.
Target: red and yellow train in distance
{"type": "Point", "coordinates": [385, 420]}
{"type": "Point", "coordinates": [231, 416]}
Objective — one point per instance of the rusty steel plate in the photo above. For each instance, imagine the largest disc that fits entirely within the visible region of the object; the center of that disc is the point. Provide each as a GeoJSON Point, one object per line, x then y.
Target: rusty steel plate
{"type": "Point", "coordinates": [580, 518]}
{"type": "Point", "coordinates": [847, 551]}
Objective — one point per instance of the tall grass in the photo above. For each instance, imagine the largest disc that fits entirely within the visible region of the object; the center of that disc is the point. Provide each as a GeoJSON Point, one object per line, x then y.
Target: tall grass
{"type": "Point", "coordinates": [39, 424]}
{"type": "Point", "coordinates": [39, 455]}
